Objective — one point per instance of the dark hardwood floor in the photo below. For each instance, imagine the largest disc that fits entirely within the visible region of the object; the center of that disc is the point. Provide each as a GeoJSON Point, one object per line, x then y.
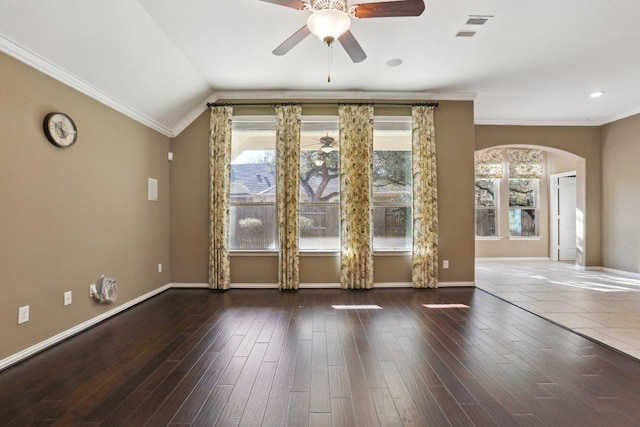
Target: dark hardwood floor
{"type": "Point", "coordinates": [265, 357]}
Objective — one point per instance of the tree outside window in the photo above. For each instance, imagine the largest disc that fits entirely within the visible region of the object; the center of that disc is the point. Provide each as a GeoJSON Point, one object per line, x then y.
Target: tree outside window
{"type": "Point", "coordinates": [392, 184]}
{"type": "Point", "coordinates": [487, 193]}
{"type": "Point", "coordinates": [523, 207]}
{"type": "Point", "coordinates": [319, 217]}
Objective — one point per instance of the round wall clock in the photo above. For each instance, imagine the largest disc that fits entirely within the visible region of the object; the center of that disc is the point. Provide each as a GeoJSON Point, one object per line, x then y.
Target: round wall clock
{"type": "Point", "coordinates": [60, 129]}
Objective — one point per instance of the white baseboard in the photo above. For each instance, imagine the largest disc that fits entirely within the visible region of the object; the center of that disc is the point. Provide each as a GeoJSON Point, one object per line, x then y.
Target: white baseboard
{"type": "Point", "coordinates": [189, 285]}
{"type": "Point", "coordinates": [393, 285]}
{"type": "Point", "coordinates": [514, 258]}
{"type": "Point", "coordinates": [456, 284]}
{"type": "Point", "coordinates": [319, 286]}
{"type": "Point", "coordinates": [253, 286]}
{"type": "Point", "coordinates": [621, 272]}
{"type": "Point", "coordinates": [588, 268]}
{"type": "Point", "coordinates": [42, 345]}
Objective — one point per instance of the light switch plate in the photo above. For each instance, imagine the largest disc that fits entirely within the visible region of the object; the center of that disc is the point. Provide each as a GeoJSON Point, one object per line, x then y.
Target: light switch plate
{"type": "Point", "coordinates": [68, 298]}
{"type": "Point", "coordinates": [23, 314]}
{"type": "Point", "coordinates": [153, 190]}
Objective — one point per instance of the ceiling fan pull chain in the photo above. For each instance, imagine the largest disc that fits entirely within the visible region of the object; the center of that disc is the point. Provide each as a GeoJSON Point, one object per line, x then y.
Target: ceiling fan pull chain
{"type": "Point", "coordinates": [329, 58]}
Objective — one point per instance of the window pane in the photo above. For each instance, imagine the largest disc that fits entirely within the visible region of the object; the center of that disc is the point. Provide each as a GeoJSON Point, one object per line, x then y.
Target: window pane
{"type": "Point", "coordinates": [522, 222]}
{"type": "Point", "coordinates": [486, 193]}
{"type": "Point", "coordinates": [392, 227]}
{"type": "Point", "coordinates": [486, 223]}
{"type": "Point", "coordinates": [252, 227]}
{"type": "Point", "coordinates": [392, 176]}
{"type": "Point", "coordinates": [253, 184]}
{"type": "Point", "coordinates": [319, 184]}
{"type": "Point", "coordinates": [522, 192]}
{"type": "Point", "coordinates": [392, 183]}
{"type": "Point", "coordinates": [319, 226]}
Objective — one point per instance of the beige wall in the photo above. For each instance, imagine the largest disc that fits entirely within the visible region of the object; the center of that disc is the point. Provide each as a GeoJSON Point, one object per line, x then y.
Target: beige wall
{"type": "Point", "coordinates": [620, 191]}
{"type": "Point", "coordinates": [556, 162]}
{"type": "Point", "coordinates": [530, 247]}
{"type": "Point", "coordinates": [70, 215]}
{"type": "Point", "coordinates": [189, 208]}
{"type": "Point", "coordinates": [582, 141]}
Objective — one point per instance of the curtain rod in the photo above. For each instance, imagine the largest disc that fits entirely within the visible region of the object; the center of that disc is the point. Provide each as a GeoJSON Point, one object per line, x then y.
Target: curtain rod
{"type": "Point", "coordinates": [275, 104]}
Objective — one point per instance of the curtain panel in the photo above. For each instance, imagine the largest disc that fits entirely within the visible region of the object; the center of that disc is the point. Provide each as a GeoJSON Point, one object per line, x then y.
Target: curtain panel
{"type": "Point", "coordinates": [356, 164]}
{"type": "Point", "coordinates": [288, 118]}
{"type": "Point", "coordinates": [425, 199]}
{"type": "Point", "coordinates": [219, 180]}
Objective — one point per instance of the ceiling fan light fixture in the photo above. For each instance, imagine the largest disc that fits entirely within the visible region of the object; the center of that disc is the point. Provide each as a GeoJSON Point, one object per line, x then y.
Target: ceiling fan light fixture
{"type": "Point", "coordinates": [326, 149]}
{"type": "Point", "coordinates": [328, 24]}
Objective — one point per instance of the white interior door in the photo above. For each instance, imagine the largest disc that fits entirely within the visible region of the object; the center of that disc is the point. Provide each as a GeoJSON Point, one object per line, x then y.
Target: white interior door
{"type": "Point", "coordinates": [567, 218]}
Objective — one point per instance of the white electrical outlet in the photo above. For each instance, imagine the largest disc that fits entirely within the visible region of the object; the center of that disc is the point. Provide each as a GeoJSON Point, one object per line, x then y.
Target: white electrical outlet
{"type": "Point", "coordinates": [23, 314]}
{"type": "Point", "coordinates": [68, 298]}
{"type": "Point", "coordinates": [93, 290]}
{"type": "Point", "coordinates": [159, 268]}
{"type": "Point", "coordinates": [445, 264]}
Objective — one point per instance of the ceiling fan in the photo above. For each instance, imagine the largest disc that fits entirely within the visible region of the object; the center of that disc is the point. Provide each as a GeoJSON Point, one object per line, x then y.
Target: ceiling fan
{"type": "Point", "coordinates": [331, 19]}
{"type": "Point", "coordinates": [327, 144]}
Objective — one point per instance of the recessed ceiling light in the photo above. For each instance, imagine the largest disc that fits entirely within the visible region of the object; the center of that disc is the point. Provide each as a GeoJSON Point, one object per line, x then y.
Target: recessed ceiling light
{"type": "Point", "coordinates": [596, 94]}
{"type": "Point", "coordinates": [395, 62]}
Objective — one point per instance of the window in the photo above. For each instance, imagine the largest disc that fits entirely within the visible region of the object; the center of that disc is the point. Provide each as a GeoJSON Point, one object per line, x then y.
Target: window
{"type": "Point", "coordinates": [487, 194]}
{"type": "Point", "coordinates": [252, 208]}
{"type": "Point", "coordinates": [523, 207]}
{"type": "Point", "coordinates": [392, 189]}
{"type": "Point", "coordinates": [319, 218]}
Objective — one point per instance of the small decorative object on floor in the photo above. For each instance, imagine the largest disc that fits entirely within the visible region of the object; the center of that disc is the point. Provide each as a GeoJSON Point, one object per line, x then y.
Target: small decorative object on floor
{"type": "Point", "coordinates": [106, 289]}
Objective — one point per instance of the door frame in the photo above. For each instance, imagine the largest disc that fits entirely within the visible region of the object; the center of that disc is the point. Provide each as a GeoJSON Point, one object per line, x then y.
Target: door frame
{"type": "Point", "coordinates": [554, 216]}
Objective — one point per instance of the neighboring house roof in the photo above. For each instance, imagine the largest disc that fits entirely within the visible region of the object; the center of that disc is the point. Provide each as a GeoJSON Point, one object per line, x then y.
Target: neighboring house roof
{"type": "Point", "coordinates": [259, 179]}
{"type": "Point", "coordinates": [252, 178]}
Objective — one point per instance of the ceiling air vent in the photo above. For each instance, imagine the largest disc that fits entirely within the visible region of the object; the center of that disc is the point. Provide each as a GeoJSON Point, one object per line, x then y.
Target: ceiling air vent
{"type": "Point", "coordinates": [472, 25]}
{"type": "Point", "coordinates": [477, 20]}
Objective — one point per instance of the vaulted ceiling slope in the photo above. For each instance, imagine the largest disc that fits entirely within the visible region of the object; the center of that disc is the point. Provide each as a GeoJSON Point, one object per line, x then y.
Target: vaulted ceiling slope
{"type": "Point", "coordinates": [160, 61]}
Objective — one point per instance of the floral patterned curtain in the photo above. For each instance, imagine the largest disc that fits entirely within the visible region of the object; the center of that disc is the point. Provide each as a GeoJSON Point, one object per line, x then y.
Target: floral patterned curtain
{"type": "Point", "coordinates": [288, 191]}
{"type": "Point", "coordinates": [489, 163]}
{"type": "Point", "coordinates": [425, 199]}
{"type": "Point", "coordinates": [219, 179]}
{"type": "Point", "coordinates": [525, 163]}
{"type": "Point", "coordinates": [356, 164]}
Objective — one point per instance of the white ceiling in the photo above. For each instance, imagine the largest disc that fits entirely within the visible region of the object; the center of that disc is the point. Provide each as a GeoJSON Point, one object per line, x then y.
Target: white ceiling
{"type": "Point", "coordinates": [160, 61]}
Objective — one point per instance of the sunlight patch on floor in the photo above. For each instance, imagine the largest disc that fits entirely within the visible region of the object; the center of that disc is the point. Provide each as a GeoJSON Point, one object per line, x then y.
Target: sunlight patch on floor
{"type": "Point", "coordinates": [445, 305]}
{"type": "Point", "coordinates": [357, 307]}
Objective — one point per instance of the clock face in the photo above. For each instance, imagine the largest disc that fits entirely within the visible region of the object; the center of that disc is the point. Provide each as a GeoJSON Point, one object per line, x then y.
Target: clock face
{"type": "Point", "coordinates": [60, 129]}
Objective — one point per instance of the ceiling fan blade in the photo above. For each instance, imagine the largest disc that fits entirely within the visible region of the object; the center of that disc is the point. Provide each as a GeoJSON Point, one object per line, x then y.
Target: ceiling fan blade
{"type": "Point", "coordinates": [292, 41]}
{"type": "Point", "coordinates": [390, 9]}
{"type": "Point", "coordinates": [353, 48]}
{"type": "Point", "coordinates": [294, 4]}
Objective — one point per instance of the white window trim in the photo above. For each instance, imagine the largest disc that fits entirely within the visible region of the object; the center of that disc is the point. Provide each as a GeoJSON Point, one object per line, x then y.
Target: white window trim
{"type": "Point", "coordinates": [496, 199]}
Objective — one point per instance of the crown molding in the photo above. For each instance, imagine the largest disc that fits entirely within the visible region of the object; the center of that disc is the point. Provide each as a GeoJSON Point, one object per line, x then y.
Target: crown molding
{"type": "Point", "coordinates": [621, 116]}
{"type": "Point", "coordinates": [316, 95]}
{"type": "Point", "coordinates": [538, 123]}
{"type": "Point", "coordinates": [344, 94]}
{"type": "Point", "coordinates": [34, 60]}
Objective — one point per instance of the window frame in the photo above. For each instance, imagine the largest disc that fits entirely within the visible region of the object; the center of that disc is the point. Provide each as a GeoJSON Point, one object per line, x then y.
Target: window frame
{"type": "Point", "coordinates": [495, 208]}
{"type": "Point", "coordinates": [317, 131]}
{"type": "Point", "coordinates": [404, 124]}
{"type": "Point", "coordinates": [273, 204]}
{"type": "Point", "coordinates": [535, 208]}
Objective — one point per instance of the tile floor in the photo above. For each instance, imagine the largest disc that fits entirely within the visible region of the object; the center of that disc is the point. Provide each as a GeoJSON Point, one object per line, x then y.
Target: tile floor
{"type": "Point", "coordinates": [600, 305]}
